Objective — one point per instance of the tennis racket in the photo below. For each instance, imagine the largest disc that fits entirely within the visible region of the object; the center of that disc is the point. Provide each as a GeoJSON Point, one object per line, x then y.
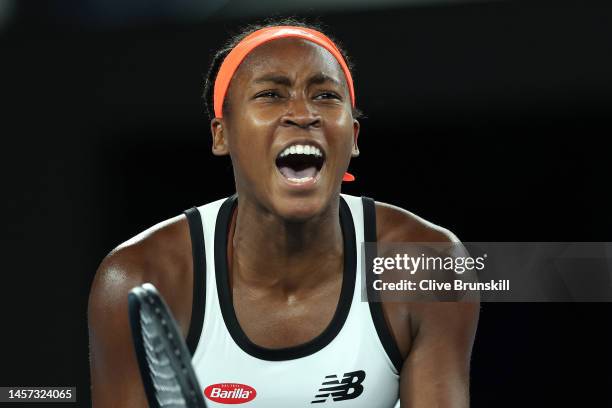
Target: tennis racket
{"type": "Point", "coordinates": [163, 358]}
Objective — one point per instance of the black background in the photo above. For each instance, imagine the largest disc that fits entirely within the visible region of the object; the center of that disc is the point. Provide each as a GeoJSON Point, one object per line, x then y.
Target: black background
{"type": "Point", "coordinates": [489, 119]}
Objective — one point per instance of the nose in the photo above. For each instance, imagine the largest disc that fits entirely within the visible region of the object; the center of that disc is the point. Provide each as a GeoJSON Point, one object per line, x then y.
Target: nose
{"type": "Point", "coordinates": [300, 114]}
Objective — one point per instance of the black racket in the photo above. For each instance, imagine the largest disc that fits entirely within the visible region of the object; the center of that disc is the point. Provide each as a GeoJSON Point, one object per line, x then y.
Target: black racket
{"type": "Point", "coordinates": [163, 358]}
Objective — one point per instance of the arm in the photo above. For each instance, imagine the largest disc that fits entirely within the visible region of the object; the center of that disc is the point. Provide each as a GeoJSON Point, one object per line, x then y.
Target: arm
{"type": "Point", "coordinates": [435, 338]}
{"type": "Point", "coordinates": [160, 255]}
{"type": "Point", "coordinates": [436, 371]}
{"type": "Point", "coordinates": [115, 375]}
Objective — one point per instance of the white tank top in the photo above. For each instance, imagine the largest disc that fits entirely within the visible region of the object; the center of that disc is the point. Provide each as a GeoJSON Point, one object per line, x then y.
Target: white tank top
{"type": "Point", "coordinates": [354, 362]}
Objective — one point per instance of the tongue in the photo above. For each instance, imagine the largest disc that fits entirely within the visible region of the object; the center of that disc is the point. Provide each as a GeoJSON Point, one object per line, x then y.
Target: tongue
{"type": "Point", "coordinates": [288, 172]}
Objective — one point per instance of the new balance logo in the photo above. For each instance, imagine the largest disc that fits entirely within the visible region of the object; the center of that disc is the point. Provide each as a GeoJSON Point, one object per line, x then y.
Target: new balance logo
{"type": "Point", "coordinates": [339, 390]}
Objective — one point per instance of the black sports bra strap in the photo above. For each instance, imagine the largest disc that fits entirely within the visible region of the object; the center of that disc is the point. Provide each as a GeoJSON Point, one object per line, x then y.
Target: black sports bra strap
{"type": "Point", "coordinates": [369, 219]}
{"type": "Point", "coordinates": [383, 330]}
{"type": "Point", "coordinates": [198, 304]}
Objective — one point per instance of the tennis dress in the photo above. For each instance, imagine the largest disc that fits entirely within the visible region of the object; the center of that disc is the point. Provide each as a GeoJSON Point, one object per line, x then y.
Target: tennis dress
{"type": "Point", "coordinates": [354, 362]}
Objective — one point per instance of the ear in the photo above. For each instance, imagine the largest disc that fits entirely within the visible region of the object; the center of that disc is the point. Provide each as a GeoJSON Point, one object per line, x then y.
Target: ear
{"type": "Point", "coordinates": [356, 126]}
{"type": "Point", "coordinates": [219, 141]}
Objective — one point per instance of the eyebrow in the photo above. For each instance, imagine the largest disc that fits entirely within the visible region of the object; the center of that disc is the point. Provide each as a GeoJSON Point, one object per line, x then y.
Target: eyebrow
{"type": "Point", "coordinates": [280, 79]}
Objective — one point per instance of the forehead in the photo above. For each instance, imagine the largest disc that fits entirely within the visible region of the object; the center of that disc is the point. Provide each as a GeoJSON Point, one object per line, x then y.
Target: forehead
{"type": "Point", "coordinates": [289, 56]}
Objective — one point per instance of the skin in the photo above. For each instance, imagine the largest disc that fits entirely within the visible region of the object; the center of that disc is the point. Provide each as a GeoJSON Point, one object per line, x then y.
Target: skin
{"type": "Point", "coordinates": [278, 300]}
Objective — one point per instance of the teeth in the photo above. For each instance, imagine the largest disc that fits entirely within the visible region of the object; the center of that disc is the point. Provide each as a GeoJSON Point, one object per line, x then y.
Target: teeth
{"type": "Point", "coordinates": [299, 180]}
{"type": "Point", "coordinates": [301, 149]}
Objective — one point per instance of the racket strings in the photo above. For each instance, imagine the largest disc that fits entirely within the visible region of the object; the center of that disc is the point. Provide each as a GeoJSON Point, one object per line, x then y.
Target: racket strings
{"type": "Point", "coordinates": [163, 375]}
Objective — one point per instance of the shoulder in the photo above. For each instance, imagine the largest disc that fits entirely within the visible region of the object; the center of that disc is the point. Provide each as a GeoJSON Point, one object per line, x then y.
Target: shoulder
{"type": "Point", "coordinates": [149, 256]}
{"type": "Point", "coordinates": [395, 224]}
{"type": "Point", "coordinates": [406, 319]}
{"type": "Point", "coordinates": [160, 255]}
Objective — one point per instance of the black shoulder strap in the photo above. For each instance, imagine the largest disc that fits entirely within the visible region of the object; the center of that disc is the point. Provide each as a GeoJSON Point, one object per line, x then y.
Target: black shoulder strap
{"type": "Point", "coordinates": [369, 219]}
{"type": "Point", "coordinates": [199, 278]}
{"type": "Point", "coordinates": [384, 333]}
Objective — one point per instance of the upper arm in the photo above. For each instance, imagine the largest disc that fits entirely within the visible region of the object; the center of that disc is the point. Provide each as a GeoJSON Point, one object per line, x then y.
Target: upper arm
{"type": "Point", "coordinates": [436, 372]}
{"type": "Point", "coordinates": [436, 337]}
{"type": "Point", "coordinates": [160, 255]}
{"type": "Point", "coordinates": [115, 374]}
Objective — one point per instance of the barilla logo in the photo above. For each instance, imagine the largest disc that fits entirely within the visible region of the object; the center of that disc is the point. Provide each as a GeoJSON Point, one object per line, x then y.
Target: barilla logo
{"type": "Point", "coordinates": [230, 393]}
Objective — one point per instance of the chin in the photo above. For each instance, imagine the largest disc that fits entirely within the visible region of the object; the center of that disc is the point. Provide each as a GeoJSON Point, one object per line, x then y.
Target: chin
{"type": "Point", "coordinates": [299, 208]}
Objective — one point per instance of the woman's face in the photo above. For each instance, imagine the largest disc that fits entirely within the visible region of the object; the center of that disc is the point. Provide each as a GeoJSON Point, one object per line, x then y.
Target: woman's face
{"type": "Point", "coordinates": [288, 92]}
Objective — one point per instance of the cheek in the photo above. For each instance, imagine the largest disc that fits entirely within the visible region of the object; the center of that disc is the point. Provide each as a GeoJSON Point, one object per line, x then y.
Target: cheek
{"type": "Point", "coordinates": [342, 126]}
{"type": "Point", "coordinates": [264, 116]}
{"type": "Point", "coordinates": [245, 149]}
{"type": "Point", "coordinates": [257, 118]}
{"type": "Point", "coordinates": [249, 140]}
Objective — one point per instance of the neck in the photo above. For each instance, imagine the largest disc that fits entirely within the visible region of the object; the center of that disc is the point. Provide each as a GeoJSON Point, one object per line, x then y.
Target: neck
{"type": "Point", "coordinates": [266, 251]}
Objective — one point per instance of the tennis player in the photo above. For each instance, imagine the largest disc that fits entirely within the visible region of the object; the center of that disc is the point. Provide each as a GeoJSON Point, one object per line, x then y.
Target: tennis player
{"type": "Point", "coordinates": [266, 284]}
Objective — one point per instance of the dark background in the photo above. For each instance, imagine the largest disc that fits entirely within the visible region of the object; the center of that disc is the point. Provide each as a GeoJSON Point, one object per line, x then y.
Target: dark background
{"type": "Point", "coordinates": [488, 118]}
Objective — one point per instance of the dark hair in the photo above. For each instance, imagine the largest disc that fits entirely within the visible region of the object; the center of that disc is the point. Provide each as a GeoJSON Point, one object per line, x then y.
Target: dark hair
{"type": "Point", "coordinates": [219, 56]}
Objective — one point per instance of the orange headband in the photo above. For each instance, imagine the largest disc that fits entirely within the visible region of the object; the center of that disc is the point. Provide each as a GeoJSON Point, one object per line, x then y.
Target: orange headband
{"type": "Point", "coordinates": [239, 52]}
{"type": "Point", "coordinates": [243, 48]}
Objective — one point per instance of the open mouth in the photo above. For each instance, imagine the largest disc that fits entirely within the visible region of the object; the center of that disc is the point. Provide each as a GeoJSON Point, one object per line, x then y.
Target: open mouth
{"type": "Point", "coordinates": [300, 163]}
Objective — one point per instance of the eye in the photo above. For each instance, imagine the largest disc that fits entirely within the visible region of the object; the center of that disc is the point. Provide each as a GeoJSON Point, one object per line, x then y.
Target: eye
{"type": "Point", "coordinates": [327, 95]}
{"type": "Point", "coordinates": [268, 94]}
